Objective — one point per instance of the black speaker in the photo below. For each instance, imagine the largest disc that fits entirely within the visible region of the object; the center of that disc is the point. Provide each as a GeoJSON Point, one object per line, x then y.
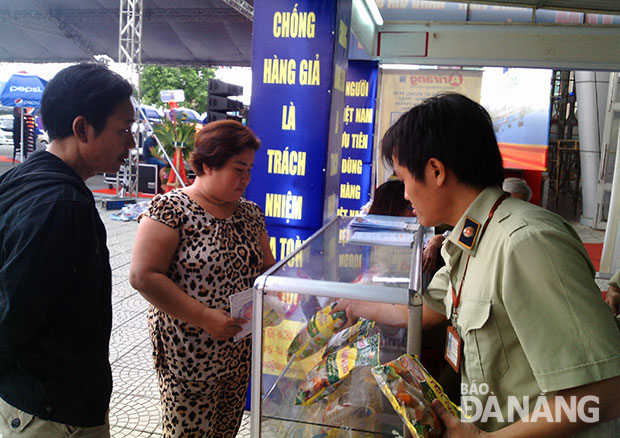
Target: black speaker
{"type": "Point", "coordinates": [148, 178]}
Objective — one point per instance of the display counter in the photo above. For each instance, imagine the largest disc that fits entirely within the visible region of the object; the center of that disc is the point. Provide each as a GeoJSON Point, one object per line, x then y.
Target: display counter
{"type": "Point", "coordinates": [327, 267]}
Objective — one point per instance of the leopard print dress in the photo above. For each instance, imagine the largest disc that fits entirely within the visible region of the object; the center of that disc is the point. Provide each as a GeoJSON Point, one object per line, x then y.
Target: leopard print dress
{"type": "Point", "coordinates": [203, 381]}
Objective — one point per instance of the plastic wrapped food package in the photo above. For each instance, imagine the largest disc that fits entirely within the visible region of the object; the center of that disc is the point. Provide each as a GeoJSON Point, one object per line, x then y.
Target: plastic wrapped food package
{"type": "Point", "coordinates": [325, 377]}
{"type": "Point", "coordinates": [361, 329]}
{"type": "Point", "coordinates": [316, 333]}
{"type": "Point", "coordinates": [273, 311]}
{"type": "Point", "coordinates": [410, 390]}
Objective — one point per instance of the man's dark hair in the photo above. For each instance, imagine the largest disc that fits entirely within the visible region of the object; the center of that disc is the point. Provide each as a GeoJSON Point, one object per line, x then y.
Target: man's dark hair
{"type": "Point", "coordinates": [90, 90]}
{"type": "Point", "coordinates": [453, 129]}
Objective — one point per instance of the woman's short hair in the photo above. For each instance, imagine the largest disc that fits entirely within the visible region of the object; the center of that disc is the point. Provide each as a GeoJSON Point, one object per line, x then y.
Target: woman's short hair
{"type": "Point", "coordinates": [218, 141]}
{"type": "Point", "coordinates": [390, 199]}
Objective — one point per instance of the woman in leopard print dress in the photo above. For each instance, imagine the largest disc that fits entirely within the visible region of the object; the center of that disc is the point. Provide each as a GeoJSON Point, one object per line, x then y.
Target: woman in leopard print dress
{"type": "Point", "coordinates": [194, 248]}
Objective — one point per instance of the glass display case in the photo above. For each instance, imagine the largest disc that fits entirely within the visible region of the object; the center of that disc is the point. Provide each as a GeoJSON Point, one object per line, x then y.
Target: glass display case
{"type": "Point", "coordinates": [327, 267]}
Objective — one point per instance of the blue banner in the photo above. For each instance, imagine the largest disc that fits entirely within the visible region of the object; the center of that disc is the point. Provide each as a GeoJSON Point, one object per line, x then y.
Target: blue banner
{"type": "Point", "coordinates": [357, 138]}
{"type": "Point", "coordinates": [341, 63]}
{"type": "Point", "coordinates": [292, 66]}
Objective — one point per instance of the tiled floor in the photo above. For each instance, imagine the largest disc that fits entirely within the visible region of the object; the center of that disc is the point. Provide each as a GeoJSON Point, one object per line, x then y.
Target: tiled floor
{"type": "Point", "coordinates": [134, 408]}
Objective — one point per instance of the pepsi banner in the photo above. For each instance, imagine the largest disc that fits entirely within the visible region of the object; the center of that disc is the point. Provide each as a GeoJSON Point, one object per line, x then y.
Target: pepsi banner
{"type": "Point", "coordinates": [357, 138]}
{"type": "Point", "coordinates": [22, 90]}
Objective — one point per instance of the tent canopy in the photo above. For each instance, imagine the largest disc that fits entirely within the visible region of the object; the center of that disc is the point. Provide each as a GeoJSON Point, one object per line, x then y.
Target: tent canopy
{"type": "Point", "coordinates": [192, 32]}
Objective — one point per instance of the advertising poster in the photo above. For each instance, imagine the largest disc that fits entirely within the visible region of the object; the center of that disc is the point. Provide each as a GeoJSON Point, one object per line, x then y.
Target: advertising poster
{"type": "Point", "coordinates": [292, 66]}
{"type": "Point", "coordinates": [403, 89]}
{"type": "Point", "coordinates": [518, 101]}
{"type": "Point", "coordinates": [357, 138]}
{"type": "Point", "coordinates": [299, 63]}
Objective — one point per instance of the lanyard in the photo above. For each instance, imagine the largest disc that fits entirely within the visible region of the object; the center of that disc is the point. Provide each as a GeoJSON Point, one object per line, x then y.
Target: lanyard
{"type": "Point", "coordinates": [456, 297]}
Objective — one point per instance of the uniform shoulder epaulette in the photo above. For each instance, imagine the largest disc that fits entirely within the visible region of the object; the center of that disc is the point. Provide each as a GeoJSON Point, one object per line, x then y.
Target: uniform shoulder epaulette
{"type": "Point", "coordinates": [512, 223]}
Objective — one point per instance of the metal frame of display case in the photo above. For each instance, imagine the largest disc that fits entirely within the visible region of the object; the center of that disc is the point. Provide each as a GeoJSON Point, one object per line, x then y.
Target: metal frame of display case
{"type": "Point", "coordinates": [268, 283]}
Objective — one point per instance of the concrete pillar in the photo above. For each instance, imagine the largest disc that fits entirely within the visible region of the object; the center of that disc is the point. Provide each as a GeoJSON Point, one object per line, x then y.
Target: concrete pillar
{"type": "Point", "coordinates": [589, 141]}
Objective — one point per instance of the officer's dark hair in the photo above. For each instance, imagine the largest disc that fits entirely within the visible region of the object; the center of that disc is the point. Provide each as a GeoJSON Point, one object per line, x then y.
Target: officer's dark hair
{"type": "Point", "coordinates": [453, 129]}
{"type": "Point", "coordinates": [88, 89]}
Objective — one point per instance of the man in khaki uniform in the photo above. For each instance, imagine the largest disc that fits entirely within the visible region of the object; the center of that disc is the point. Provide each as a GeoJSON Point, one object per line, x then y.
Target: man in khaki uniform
{"type": "Point", "coordinates": [518, 286]}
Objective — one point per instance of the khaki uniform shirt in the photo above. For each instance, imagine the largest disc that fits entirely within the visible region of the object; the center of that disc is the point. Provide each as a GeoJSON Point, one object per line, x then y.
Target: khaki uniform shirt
{"type": "Point", "coordinates": [531, 317]}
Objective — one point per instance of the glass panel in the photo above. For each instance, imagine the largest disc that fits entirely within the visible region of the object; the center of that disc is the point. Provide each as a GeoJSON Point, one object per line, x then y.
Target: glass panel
{"type": "Point", "coordinates": [560, 17]}
{"type": "Point", "coordinates": [356, 402]}
{"type": "Point", "coordinates": [355, 406]}
{"type": "Point", "coordinates": [421, 10]}
{"type": "Point", "coordinates": [611, 152]}
{"type": "Point", "coordinates": [332, 257]}
{"type": "Point", "coordinates": [499, 14]}
{"type": "Point", "coordinates": [602, 19]}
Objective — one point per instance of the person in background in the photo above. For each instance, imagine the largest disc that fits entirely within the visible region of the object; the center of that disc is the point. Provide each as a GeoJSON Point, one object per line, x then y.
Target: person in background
{"type": "Point", "coordinates": [613, 293]}
{"type": "Point", "coordinates": [518, 285]}
{"type": "Point", "coordinates": [18, 121]}
{"type": "Point", "coordinates": [389, 199]}
{"type": "Point", "coordinates": [55, 276]}
{"type": "Point", "coordinates": [148, 148]}
{"type": "Point", "coordinates": [194, 248]}
{"type": "Point", "coordinates": [517, 188]}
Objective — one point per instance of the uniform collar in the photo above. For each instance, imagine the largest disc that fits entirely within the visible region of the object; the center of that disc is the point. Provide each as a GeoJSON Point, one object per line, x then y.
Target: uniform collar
{"type": "Point", "coordinates": [466, 234]}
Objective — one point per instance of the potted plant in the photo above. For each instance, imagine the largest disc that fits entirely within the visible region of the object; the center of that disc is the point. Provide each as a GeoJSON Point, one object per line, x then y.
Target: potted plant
{"type": "Point", "coordinates": [178, 141]}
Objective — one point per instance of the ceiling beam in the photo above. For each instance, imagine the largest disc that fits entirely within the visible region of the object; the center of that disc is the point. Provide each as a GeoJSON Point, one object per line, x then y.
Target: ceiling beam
{"type": "Point", "coordinates": [243, 7]}
{"type": "Point", "coordinates": [67, 30]}
{"type": "Point", "coordinates": [152, 14]}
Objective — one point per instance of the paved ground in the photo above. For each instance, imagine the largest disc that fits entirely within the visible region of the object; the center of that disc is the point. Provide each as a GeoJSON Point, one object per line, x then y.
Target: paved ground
{"type": "Point", "coordinates": [134, 409]}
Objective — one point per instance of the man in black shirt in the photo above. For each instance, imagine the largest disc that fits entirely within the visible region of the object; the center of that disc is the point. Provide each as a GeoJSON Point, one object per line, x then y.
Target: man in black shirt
{"type": "Point", "coordinates": [55, 276]}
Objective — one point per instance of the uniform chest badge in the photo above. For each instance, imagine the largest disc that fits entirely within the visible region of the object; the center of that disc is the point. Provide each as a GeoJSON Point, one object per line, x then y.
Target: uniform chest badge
{"type": "Point", "coordinates": [469, 234]}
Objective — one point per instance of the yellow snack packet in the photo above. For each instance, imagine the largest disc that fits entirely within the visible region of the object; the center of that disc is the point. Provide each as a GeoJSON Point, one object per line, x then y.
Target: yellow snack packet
{"type": "Point", "coordinates": [410, 390]}
{"type": "Point", "coordinates": [315, 334]}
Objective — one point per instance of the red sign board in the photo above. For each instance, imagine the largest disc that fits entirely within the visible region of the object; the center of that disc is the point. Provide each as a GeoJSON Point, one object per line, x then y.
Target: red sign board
{"type": "Point", "coordinates": [524, 156]}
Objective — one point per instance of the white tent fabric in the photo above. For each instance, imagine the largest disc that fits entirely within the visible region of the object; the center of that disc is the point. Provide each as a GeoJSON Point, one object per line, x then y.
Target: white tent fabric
{"type": "Point", "coordinates": [192, 32]}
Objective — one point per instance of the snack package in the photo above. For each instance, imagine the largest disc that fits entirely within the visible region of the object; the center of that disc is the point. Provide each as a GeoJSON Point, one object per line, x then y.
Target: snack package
{"type": "Point", "coordinates": [354, 403]}
{"type": "Point", "coordinates": [325, 377]}
{"type": "Point", "coordinates": [273, 311]}
{"type": "Point", "coordinates": [410, 390]}
{"type": "Point", "coordinates": [315, 334]}
{"type": "Point", "coordinates": [361, 329]}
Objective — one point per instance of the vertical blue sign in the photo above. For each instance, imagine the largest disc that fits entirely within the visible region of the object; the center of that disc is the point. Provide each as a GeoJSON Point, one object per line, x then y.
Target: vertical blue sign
{"type": "Point", "coordinates": [357, 138]}
{"type": "Point", "coordinates": [293, 75]}
{"type": "Point", "coordinates": [341, 52]}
